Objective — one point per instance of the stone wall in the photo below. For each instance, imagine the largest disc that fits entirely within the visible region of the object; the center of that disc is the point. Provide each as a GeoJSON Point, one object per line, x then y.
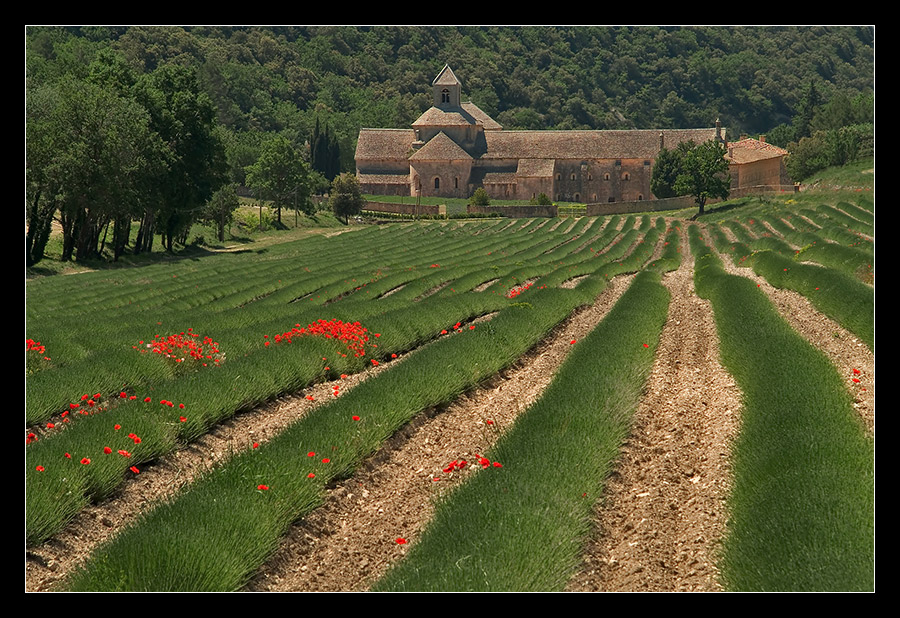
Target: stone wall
{"type": "Point", "coordinates": [515, 212]}
{"type": "Point", "coordinates": [627, 208]}
{"type": "Point", "coordinates": [406, 209]}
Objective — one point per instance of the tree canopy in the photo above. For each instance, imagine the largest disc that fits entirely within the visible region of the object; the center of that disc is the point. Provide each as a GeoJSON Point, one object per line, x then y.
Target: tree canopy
{"type": "Point", "coordinates": [280, 174]}
{"type": "Point", "coordinates": [703, 173]}
{"type": "Point", "coordinates": [346, 197]}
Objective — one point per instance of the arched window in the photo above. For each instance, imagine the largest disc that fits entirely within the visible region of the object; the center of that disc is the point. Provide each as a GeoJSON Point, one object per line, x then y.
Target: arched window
{"type": "Point", "coordinates": [577, 197]}
{"type": "Point", "coordinates": [437, 182]}
{"type": "Point", "coordinates": [456, 183]}
{"type": "Point", "coordinates": [445, 96]}
{"type": "Point", "coordinates": [626, 176]}
{"type": "Point", "coordinates": [573, 176]}
{"type": "Point", "coordinates": [605, 176]}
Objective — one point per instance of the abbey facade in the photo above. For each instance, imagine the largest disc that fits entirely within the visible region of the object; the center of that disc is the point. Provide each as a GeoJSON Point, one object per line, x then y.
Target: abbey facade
{"type": "Point", "coordinates": [454, 148]}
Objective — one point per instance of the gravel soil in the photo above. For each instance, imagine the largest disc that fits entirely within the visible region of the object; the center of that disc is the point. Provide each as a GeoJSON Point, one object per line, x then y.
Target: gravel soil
{"type": "Point", "coordinates": [658, 528]}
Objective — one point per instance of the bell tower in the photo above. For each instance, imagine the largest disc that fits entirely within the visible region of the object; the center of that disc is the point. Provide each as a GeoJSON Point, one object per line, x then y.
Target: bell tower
{"type": "Point", "coordinates": [446, 89]}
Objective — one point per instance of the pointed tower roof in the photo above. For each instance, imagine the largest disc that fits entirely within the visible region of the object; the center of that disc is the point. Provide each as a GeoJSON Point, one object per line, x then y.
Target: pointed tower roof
{"type": "Point", "coordinates": [446, 78]}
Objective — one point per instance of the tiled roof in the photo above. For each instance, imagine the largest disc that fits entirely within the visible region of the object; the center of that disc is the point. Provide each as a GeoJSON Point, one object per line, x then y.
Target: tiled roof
{"type": "Point", "coordinates": [384, 144]}
{"type": "Point", "coordinates": [749, 150]}
{"type": "Point", "coordinates": [616, 144]}
{"type": "Point", "coordinates": [445, 77]}
{"type": "Point", "coordinates": [385, 179]}
{"type": "Point", "coordinates": [440, 148]}
{"type": "Point", "coordinates": [535, 168]}
{"type": "Point", "coordinates": [467, 114]}
{"type": "Point", "coordinates": [501, 177]}
{"type": "Point", "coordinates": [482, 118]}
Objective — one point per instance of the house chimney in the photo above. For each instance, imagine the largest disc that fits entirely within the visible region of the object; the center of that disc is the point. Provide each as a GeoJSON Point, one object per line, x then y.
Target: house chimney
{"type": "Point", "coordinates": [762, 138]}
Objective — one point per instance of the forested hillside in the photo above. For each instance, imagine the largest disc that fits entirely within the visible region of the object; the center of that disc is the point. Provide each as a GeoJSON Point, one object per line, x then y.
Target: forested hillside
{"type": "Point", "coordinates": [160, 126]}
{"type": "Point", "coordinates": [282, 79]}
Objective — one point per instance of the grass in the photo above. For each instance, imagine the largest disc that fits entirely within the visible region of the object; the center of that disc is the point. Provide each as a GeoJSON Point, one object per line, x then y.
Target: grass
{"type": "Point", "coordinates": [520, 527]}
{"type": "Point", "coordinates": [801, 513]}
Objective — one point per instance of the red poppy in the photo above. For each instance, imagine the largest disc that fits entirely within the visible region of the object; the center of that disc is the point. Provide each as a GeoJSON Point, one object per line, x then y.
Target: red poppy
{"type": "Point", "coordinates": [646, 345]}
{"type": "Point", "coordinates": [311, 475]}
{"type": "Point", "coordinates": [326, 460]}
{"type": "Point", "coordinates": [489, 422]}
{"type": "Point", "coordinates": [40, 468]}
{"type": "Point", "coordinates": [311, 454]}
{"type": "Point", "coordinates": [123, 395]}
{"type": "Point", "coordinates": [401, 541]}
{"type": "Point", "coordinates": [85, 461]}
{"type": "Point", "coordinates": [50, 425]}
{"type": "Point", "coordinates": [107, 450]}
{"type": "Point", "coordinates": [355, 418]}
{"type": "Point", "coordinates": [146, 400]}
{"type": "Point", "coordinates": [256, 445]}
{"type": "Point", "coordinates": [374, 362]}
{"type": "Point", "coordinates": [497, 464]}
{"type": "Point", "coordinates": [262, 487]}
{"type": "Point", "coordinates": [117, 427]}
{"type": "Point", "coordinates": [68, 456]}
{"type": "Point", "coordinates": [572, 342]}
{"type": "Point", "coordinates": [124, 453]}
{"type": "Point", "coordinates": [182, 419]}
{"type": "Point", "coordinates": [135, 469]}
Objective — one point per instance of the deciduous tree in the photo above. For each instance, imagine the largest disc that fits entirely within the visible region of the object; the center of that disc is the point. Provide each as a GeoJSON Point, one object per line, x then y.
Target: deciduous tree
{"type": "Point", "coordinates": [280, 174]}
{"type": "Point", "coordinates": [346, 196]}
{"type": "Point", "coordinates": [704, 173]}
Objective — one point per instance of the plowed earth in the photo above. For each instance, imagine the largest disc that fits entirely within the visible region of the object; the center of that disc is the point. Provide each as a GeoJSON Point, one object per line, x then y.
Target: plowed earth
{"type": "Point", "coordinates": [658, 527]}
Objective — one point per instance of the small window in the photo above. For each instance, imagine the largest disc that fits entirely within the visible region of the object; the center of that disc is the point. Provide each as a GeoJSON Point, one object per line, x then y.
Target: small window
{"type": "Point", "coordinates": [605, 176]}
{"type": "Point", "coordinates": [626, 176]}
{"type": "Point", "coordinates": [590, 177]}
{"type": "Point", "coordinates": [577, 197]}
{"type": "Point", "coordinates": [573, 176]}
{"type": "Point", "coordinates": [611, 199]}
{"type": "Point", "coordinates": [559, 176]}
{"type": "Point", "coordinates": [456, 183]}
{"type": "Point", "coordinates": [640, 198]}
{"type": "Point", "coordinates": [437, 183]}
{"type": "Point", "coordinates": [646, 163]}
{"type": "Point", "coordinates": [445, 96]}
{"type": "Point", "coordinates": [618, 162]}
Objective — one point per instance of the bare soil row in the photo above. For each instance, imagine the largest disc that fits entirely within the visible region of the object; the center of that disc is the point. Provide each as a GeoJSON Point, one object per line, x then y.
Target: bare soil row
{"type": "Point", "coordinates": [657, 529]}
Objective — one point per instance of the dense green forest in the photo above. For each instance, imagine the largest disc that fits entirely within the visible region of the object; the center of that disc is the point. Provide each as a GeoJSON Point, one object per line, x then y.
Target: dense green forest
{"type": "Point", "coordinates": [317, 86]}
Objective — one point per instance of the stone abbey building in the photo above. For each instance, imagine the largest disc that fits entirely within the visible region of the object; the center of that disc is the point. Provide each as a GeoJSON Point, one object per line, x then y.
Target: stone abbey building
{"type": "Point", "coordinates": [454, 148]}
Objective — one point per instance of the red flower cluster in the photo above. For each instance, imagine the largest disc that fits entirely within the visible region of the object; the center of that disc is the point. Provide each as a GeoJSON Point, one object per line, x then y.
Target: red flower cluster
{"type": "Point", "coordinates": [460, 464]}
{"type": "Point", "coordinates": [35, 346]}
{"type": "Point", "coordinates": [518, 290]}
{"type": "Point", "coordinates": [185, 346]}
{"type": "Point", "coordinates": [355, 336]}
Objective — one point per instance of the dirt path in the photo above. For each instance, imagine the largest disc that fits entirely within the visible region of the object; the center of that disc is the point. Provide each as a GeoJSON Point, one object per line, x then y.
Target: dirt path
{"type": "Point", "coordinates": [846, 351]}
{"type": "Point", "coordinates": [657, 529]}
{"type": "Point", "coordinates": [664, 510]}
{"type": "Point", "coordinates": [351, 541]}
{"type": "Point", "coordinates": [49, 563]}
